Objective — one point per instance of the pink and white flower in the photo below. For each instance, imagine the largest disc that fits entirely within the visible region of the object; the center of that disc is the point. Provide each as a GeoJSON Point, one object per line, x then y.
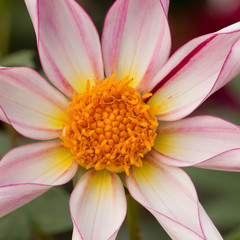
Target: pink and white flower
{"type": "Point", "coordinates": [136, 43]}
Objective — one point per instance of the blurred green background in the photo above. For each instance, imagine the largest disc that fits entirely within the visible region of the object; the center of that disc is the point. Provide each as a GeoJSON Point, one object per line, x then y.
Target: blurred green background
{"type": "Point", "coordinates": [219, 192]}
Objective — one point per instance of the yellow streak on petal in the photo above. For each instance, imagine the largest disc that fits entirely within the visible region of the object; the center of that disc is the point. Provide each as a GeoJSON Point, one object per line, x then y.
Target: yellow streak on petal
{"type": "Point", "coordinates": [101, 183]}
{"type": "Point", "coordinates": [145, 172]}
{"type": "Point", "coordinates": [79, 81]}
{"type": "Point", "coordinates": [55, 120]}
{"type": "Point", "coordinates": [158, 106]}
{"type": "Point", "coordinates": [61, 159]}
{"type": "Point", "coordinates": [165, 143]}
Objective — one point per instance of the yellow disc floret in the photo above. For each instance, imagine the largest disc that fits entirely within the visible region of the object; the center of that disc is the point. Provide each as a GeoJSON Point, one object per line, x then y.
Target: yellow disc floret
{"type": "Point", "coordinates": [109, 126]}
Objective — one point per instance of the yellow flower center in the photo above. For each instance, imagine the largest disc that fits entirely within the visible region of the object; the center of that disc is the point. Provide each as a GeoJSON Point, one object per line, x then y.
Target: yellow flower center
{"type": "Point", "coordinates": [109, 126]}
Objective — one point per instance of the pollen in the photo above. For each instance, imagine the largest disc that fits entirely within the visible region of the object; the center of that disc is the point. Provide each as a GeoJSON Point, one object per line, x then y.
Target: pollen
{"type": "Point", "coordinates": [109, 126]}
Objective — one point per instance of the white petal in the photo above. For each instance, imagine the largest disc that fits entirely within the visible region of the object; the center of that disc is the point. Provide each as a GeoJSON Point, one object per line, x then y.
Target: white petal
{"type": "Point", "coordinates": [169, 194]}
{"type": "Point", "coordinates": [3, 116]}
{"type": "Point", "coordinates": [227, 161]}
{"type": "Point", "coordinates": [14, 196]}
{"type": "Point", "coordinates": [68, 43]}
{"type": "Point", "coordinates": [30, 170]}
{"type": "Point", "coordinates": [165, 4]}
{"type": "Point", "coordinates": [207, 225]}
{"type": "Point", "coordinates": [98, 206]}
{"type": "Point", "coordinates": [33, 107]}
{"type": "Point", "coordinates": [194, 72]}
{"type": "Point", "coordinates": [199, 140]}
{"type": "Point", "coordinates": [136, 40]}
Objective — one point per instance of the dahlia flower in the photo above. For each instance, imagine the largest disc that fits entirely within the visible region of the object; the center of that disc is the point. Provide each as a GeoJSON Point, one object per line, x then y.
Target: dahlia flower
{"type": "Point", "coordinates": [120, 110]}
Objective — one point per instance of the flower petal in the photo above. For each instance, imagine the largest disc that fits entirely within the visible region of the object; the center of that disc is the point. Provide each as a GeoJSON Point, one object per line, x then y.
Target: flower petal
{"type": "Point", "coordinates": [169, 194]}
{"type": "Point", "coordinates": [165, 4]}
{"type": "Point", "coordinates": [136, 40]}
{"type": "Point", "coordinates": [207, 225]}
{"type": "Point", "coordinates": [30, 170]}
{"type": "Point", "coordinates": [193, 140]}
{"type": "Point", "coordinates": [3, 116]}
{"type": "Point", "coordinates": [41, 163]}
{"type": "Point", "coordinates": [30, 104]}
{"type": "Point", "coordinates": [194, 72]}
{"type": "Point", "coordinates": [98, 206]}
{"type": "Point", "coordinates": [15, 196]}
{"type": "Point", "coordinates": [227, 161]}
{"type": "Point", "coordinates": [68, 43]}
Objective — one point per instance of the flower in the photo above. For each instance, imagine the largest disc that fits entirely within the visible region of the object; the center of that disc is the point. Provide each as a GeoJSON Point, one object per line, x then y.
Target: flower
{"type": "Point", "coordinates": [110, 124]}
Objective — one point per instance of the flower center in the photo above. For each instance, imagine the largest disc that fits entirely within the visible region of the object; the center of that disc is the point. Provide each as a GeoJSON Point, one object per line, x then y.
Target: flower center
{"type": "Point", "coordinates": [109, 126]}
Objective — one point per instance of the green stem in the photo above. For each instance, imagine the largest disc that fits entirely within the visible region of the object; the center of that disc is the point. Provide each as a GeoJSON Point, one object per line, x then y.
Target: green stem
{"type": "Point", "coordinates": [133, 222]}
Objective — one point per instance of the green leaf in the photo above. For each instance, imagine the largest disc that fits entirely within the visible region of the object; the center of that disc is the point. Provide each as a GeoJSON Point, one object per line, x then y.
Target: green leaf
{"type": "Point", "coordinates": [15, 226]}
{"type": "Point", "coordinates": [224, 211]}
{"type": "Point", "coordinates": [214, 182]}
{"type": "Point", "coordinates": [50, 212]}
{"type": "Point", "coordinates": [20, 58]}
{"type": "Point", "coordinates": [234, 86]}
{"type": "Point", "coordinates": [5, 143]}
{"type": "Point", "coordinates": [235, 235]}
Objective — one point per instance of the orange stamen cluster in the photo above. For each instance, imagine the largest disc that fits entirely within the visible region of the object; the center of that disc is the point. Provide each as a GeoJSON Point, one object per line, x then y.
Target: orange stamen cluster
{"type": "Point", "coordinates": [109, 126]}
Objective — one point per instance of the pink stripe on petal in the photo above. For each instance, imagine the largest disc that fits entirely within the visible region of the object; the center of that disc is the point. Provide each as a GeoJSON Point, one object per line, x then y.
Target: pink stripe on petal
{"type": "Point", "coordinates": [168, 193]}
{"type": "Point", "coordinates": [3, 116]}
{"type": "Point", "coordinates": [230, 68]}
{"type": "Point", "coordinates": [30, 103]}
{"type": "Point", "coordinates": [16, 195]}
{"type": "Point", "coordinates": [227, 161]}
{"type": "Point", "coordinates": [165, 4]}
{"type": "Point", "coordinates": [194, 140]}
{"type": "Point", "coordinates": [208, 226]}
{"type": "Point", "coordinates": [63, 83]}
{"type": "Point", "coordinates": [194, 72]}
{"type": "Point", "coordinates": [41, 163]}
{"type": "Point", "coordinates": [136, 40]}
{"type": "Point", "coordinates": [98, 206]}
{"type": "Point", "coordinates": [194, 50]}
{"type": "Point", "coordinates": [28, 171]}
{"type": "Point", "coordinates": [28, 78]}
{"type": "Point", "coordinates": [76, 234]}
{"type": "Point", "coordinates": [68, 43]}
{"type": "Point", "coordinates": [32, 6]}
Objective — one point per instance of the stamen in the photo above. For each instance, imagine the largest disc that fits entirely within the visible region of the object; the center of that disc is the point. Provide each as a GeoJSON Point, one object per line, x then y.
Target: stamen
{"type": "Point", "coordinates": [109, 126]}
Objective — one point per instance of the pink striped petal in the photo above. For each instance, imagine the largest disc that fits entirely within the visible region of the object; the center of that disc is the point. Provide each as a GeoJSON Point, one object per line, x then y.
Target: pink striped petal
{"type": "Point", "coordinates": [199, 140]}
{"type": "Point", "coordinates": [3, 116]}
{"type": "Point", "coordinates": [227, 161]}
{"type": "Point", "coordinates": [15, 196]}
{"type": "Point", "coordinates": [68, 43]}
{"type": "Point", "coordinates": [28, 171]}
{"type": "Point", "coordinates": [98, 206]}
{"type": "Point", "coordinates": [207, 225]}
{"type": "Point", "coordinates": [76, 234]}
{"type": "Point", "coordinates": [136, 40]}
{"type": "Point", "coordinates": [165, 4]}
{"type": "Point", "coordinates": [33, 107]}
{"type": "Point", "coordinates": [169, 194]}
{"type": "Point", "coordinates": [194, 72]}
{"type": "Point", "coordinates": [32, 6]}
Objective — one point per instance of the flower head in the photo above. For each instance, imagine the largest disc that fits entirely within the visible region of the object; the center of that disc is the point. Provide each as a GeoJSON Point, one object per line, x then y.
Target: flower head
{"type": "Point", "coordinates": [109, 127]}
{"type": "Point", "coordinates": [111, 124]}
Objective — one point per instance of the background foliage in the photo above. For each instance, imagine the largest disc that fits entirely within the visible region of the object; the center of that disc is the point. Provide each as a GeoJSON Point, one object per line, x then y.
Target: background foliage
{"type": "Point", "coordinates": [48, 216]}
